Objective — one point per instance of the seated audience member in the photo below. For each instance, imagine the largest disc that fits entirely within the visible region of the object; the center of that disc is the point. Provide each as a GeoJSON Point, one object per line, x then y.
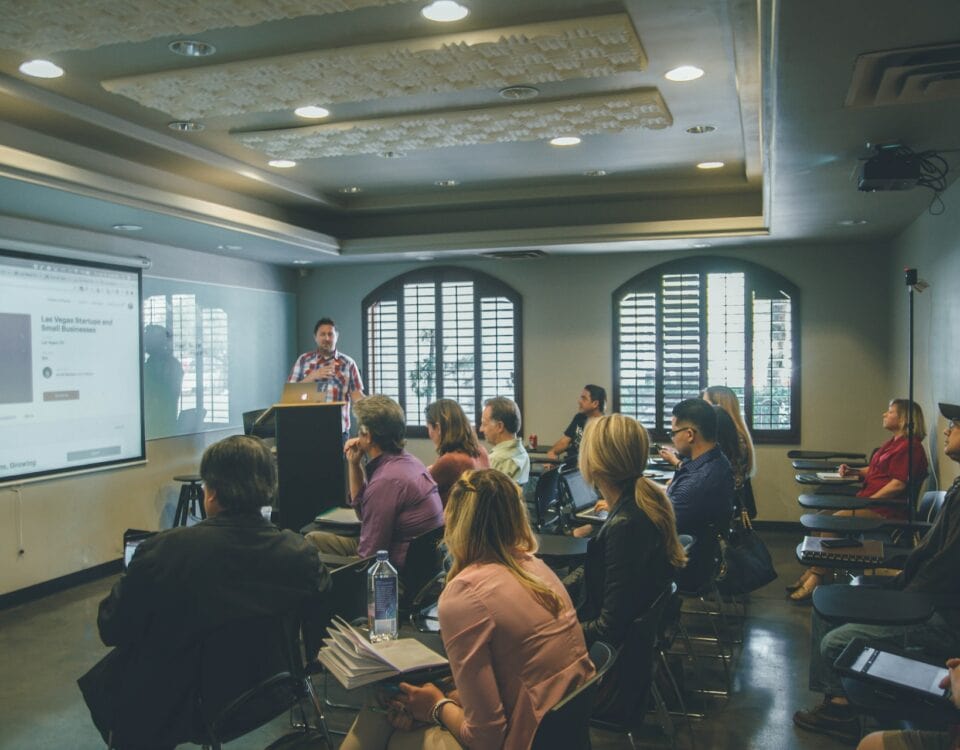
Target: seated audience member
{"type": "Point", "coordinates": [590, 405]}
{"type": "Point", "coordinates": [631, 559]}
{"type": "Point", "coordinates": [183, 585]}
{"type": "Point", "coordinates": [457, 446]}
{"type": "Point", "coordinates": [886, 476]}
{"type": "Point", "coordinates": [931, 569]}
{"type": "Point", "coordinates": [508, 627]}
{"type": "Point", "coordinates": [500, 423]}
{"type": "Point", "coordinates": [744, 463]}
{"type": "Point", "coordinates": [702, 488]}
{"type": "Point", "coordinates": [394, 495]}
{"type": "Point", "coordinates": [913, 739]}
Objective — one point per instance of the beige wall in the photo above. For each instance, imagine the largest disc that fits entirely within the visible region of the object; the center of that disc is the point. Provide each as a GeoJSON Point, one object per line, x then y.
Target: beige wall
{"type": "Point", "coordinates": [932, 246]}
{"type": "Point", "coordinates": [69, 524]}
{"type": "Point", "coordinates": [567, 319]}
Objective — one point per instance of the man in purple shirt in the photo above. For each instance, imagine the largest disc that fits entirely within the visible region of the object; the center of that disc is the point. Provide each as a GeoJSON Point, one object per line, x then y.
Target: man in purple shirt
{"type": "Point", "coordinates": [394, 495]}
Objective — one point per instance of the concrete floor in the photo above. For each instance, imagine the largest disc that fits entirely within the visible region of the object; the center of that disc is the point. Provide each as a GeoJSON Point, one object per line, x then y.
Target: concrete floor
{"type": "Point", "coordinates": [45, 645]}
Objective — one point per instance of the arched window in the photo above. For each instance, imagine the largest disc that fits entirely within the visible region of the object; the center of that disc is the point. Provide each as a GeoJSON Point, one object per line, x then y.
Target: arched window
{"type": "Point", "coordinates": [687, 324]}
{"type": "Point", "coordinates": [442, 332]}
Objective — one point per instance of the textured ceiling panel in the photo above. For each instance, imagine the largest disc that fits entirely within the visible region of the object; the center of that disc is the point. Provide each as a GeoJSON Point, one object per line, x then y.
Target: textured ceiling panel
{"type": "Point", "coordinates": [610, 113]}
{"type": "Point", "coordinates": [491, 59]}
{"type": "Point", "coordinates": [39, 26]}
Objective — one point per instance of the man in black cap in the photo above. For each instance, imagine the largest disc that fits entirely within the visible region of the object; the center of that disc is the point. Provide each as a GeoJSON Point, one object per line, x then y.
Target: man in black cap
{"type": "Point", "coordinates": [930, 569]}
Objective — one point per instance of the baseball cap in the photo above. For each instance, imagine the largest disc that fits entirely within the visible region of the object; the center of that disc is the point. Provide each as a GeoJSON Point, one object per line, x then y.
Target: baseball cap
{"type": "Point", "coordinates": [950, 411]}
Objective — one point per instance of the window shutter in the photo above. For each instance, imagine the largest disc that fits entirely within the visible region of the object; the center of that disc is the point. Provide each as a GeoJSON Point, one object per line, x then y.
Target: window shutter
{"type": "Point", "coordinates": [726, 331]}
{"type": "Point", "coordinates": [681, 340]}
{"type": "Point", "coordinates": [497, 348]}
{"type": "Point", "coordinates": [458, 351]}
{"type": "Point", "coordinates": [383, 349]}
{"type": "Point", "coordinates": [772, 363]}
{"type": "Point", "coordinates": [420, 349]}
{"type": "Point", "coordinates": [638, 356]}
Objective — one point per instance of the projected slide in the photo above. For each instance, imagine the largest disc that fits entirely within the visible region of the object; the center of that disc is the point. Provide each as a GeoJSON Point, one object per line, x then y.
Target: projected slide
{"type": "Point", "coordinates": [69, 366]}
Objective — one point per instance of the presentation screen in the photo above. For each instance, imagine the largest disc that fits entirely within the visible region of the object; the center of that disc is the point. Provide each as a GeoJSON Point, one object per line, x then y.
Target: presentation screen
{"type": "Point", "coordinates": [70, 376]}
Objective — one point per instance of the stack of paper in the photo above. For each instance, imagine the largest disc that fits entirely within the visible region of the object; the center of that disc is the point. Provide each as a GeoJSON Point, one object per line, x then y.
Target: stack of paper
{"type": "Point", "coordinates": [835, 476]}
{"type": "Point", "coordinates": [355, 662]}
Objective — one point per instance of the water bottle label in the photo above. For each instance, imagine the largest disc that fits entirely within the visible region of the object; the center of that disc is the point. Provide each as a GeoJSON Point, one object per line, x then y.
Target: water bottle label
{"type": "Point", "coordinates": [385, 605]}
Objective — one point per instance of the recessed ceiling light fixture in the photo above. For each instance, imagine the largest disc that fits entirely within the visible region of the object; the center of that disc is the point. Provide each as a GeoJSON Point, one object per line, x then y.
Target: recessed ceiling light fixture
{"type": "Point", "coordinates": [126, 227]}
{"type": "Point", "coordinates": [596, 173]}
{"type": "Point", "coordinates": [683, 73]}
{"type": "Point", "coordinates": [700, 129]}
{"type": "Point", "coordinates": [312, 112]}
{"type": "Point", "coordinates": [282, 163]}
{"type": "Point", "coordinates": [185, 126]}
{"type": "Point", "coordinates": [41, 69]}
{"type": "Point", "coordinates": [191, 48]}
{"type": "Point", "coordinates": [444, 11]}
{"type": "Point", "coordinates": [446, 183]}
{"type": "Point", "coordinates": [710, 165]}
{"type": "Point", "coordinates": [301, 262]}
{"type": "Point", "coordinates": [852, 222]}
{"type": "Point", "coordinates": [351, 190]}
{"type": "Point", "coordinates": [516, 93]}
{"type": "Point", "coordinates": [565, 140]}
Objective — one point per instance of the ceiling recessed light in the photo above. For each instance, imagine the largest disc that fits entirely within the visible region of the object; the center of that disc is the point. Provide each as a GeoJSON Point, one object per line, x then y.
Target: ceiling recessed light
{"type": "Point", "coordinates": [127, 227]}
{"type": "Point", "coordinates": [596, 173]}
{"type": "Point", "coordinates": [444, 11]}
{"type": "Point", "coordinates": [312, 112]}
{"type": "Point", "coordinates": [41, 69]}
{"type": "Point", "coordinates": [852, 222]}
{"type": "Point", "coordinates": [185, 126]}
{"type": "Point", "coordinates": [231, 248]}
{"type": "Point", "coordinates": [701, 129]}
{"type": "Point", "coordinates": [710, 165]}
{"type": "Point", "coordinates": [446, 183]}
{"type": "Point", "coordinates": [282, 163]}
{"type": "Point", "coordinates": [301, 262]}
{"type": "Point", "coordinates": [683, 73]}
{"type": "Point", "coordinates": [516, 93]}
{"type": "Point", "coordinates": [565, 140]}
{"type": "Point", "coordinates": [191, 48]}
{"type": "Point", "coordinates": [392, 154]}
{"type": "Point", "coordinates": [351, 189]}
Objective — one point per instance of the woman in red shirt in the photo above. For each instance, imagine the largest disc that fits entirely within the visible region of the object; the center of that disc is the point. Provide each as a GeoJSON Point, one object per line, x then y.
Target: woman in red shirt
{"type": "Point", "coordinates": [458, 449]}
{"type": "Point", "coordinates": [885, 477]}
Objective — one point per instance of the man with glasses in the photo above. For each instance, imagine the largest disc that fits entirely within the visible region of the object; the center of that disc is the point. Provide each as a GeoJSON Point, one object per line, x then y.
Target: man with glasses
{"type": "Point", "coordinates": [702, 490]}
{"type": "Point", "coordinates": [930, 569]}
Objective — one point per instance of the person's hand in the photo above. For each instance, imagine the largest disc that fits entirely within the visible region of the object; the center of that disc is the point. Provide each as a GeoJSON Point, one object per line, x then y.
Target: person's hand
{"type": "Point", "coordinates": [670, 456]}
{"type": "Point", "coordinates": [848, 471]}
{"type": "Point", "coordinates": [952, 681]}
{"type": "Point", "coordinates": [312, 377]}
{"type": "Point", "coordinates": [353, 451]}
{"type": "Point", "coordinates": [325, 372]}
{"type": "Point", "coordinates": [554, 456]}
{"type": "Point", "coordinates": [420, 700]}
{"type": "Point", "coordinates": [601, 505]}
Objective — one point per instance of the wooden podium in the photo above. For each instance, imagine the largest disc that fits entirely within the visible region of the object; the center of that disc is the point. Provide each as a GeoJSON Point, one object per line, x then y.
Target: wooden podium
{"type": "Point", "coordinates": [310, 468]}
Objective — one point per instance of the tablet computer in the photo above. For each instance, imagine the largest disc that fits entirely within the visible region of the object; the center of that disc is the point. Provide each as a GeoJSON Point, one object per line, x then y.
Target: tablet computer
{"type": "Point", "coordinates": [894, 672]}
{"type": "Point", "coordinates": [131, 540]}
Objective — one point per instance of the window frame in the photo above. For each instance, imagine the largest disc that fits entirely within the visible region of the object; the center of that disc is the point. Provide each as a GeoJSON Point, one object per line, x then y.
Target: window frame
{"type": "Point", "coordinates": [484, 286]}
{"type": "Point", "coordinates": [755, 277]}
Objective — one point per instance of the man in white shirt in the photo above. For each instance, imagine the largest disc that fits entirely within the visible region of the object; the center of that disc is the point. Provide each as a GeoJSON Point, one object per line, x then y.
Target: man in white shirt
{"type": "Point", "coordinates": [500, 423]}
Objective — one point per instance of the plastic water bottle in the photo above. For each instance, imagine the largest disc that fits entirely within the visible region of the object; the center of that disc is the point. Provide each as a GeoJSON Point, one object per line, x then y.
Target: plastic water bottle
{"type": "Point", "coordinates": [382, 599]}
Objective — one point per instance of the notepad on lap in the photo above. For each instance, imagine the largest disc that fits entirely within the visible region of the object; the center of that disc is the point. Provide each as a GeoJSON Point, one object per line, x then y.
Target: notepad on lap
{"type": "Point", "coordinates": [835, 476]}
{"type": "Point", "coordinates": [339, 517]}
{"type": "Point", "coordinates": [356, 662]}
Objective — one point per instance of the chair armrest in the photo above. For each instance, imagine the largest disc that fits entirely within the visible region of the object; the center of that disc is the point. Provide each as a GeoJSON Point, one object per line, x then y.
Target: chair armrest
{"type": "Point", "coordinates": [825, 455]}
{"type": "Point", "coordinates": [872, 606]}
{"type": "Point", "coordinates": [840, 524]}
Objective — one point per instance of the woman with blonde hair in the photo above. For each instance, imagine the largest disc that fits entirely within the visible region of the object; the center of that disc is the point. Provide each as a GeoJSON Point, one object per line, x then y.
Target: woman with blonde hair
{"type": "Point", "coordinates": [632, 558]}
{"type": "Point", "coordinates": [458, 449]}
{"type": "Point", "coordinates": [885, 477]}
{"type": "Point", "coordinates": [739, 452]}
{"type": "Point", "coordinates": [508, 627]}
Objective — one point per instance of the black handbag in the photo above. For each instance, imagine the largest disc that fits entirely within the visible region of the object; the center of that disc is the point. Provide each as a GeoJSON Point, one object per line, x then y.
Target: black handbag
{"type": "Point", "coordinates": [747, 565]}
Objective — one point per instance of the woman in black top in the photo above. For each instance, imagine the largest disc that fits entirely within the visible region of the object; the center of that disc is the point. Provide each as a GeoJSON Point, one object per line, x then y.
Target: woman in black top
{"type": "Point", "coordinates": [631, 559]}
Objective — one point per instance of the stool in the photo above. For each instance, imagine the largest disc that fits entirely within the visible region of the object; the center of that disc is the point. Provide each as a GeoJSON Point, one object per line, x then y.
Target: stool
{"type": "Point", "coordinates": [191, 499]}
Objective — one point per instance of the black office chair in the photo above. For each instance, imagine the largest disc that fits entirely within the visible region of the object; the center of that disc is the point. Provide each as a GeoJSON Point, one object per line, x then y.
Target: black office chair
{"type": "Point", "coordinates": [251, 671]}
{"type": "Point", "coordinates": [545, 500]}
{"type": "Point", "coordinates": [421, 570]}
{"type": "Point", "coordinates": [567, 724]}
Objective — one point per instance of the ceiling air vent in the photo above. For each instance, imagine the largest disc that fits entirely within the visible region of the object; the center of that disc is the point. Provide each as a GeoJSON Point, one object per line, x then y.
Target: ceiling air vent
{"type": "Point", "coordinates": [902, 76]}
{"type": "Point", "coordinates": [514, 254]}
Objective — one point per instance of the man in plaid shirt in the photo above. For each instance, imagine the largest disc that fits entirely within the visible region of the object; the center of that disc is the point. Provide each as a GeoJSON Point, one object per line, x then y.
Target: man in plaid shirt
{"type": "Point", "coordinates": [336, 372]}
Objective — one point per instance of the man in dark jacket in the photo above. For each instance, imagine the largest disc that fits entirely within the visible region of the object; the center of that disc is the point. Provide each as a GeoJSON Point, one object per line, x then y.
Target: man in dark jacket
{"type": "Point", "coordinates": [187, 583]}
{"type": "Point", "coordinates": [931, 569]}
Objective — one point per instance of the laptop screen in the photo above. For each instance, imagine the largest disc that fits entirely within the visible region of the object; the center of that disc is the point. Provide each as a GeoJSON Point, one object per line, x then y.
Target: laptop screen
{"type": "Point", "coordinates": [582, 495]}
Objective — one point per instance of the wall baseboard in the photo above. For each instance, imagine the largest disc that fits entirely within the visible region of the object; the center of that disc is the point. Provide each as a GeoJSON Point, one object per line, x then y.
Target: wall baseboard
{"type": "Point", "coordinates": [40, 590]}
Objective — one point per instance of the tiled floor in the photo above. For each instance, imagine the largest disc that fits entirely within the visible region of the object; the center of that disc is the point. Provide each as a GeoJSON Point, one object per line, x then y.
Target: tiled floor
{"type": "Point", "coordinates": [45, 645]}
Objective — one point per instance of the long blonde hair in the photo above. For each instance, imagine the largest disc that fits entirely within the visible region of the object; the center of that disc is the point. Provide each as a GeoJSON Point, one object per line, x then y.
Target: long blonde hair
{"type": "Point", "coordinates": [614, 449]}
{"type": "Point", "coordinates": [902, 405]}
{"type": "Point", "coordinates": [726, 399]}
{"type": "Point", "coordinates": [486, 522]}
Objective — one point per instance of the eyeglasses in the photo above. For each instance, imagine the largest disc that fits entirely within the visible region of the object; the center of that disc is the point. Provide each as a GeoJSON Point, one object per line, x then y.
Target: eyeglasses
{"type": "Point", "coordinates": [952, 425]}
{"type": "Point", "coordinates": [674, 433]}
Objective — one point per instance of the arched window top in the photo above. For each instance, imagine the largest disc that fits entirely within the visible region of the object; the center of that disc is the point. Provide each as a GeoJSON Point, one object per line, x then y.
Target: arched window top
{"type": "Point", "coordinates": [686, 324]}
{"type": "Point", "coordinates": [442, 332]}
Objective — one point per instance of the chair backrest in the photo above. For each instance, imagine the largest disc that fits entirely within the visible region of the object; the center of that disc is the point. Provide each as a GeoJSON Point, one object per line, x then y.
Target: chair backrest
{"type": "Point", "coordinates": [250, 672]}
{"type": "Point", "coordinates": [567, 724]}
{"type": "Point", "coordinates": [930, 505]}
{"type": "Point", "coordinates": [546, 495]}
{"type": "Point", "coordinates": [346, 598]}
{"type": "Point", "coordinates": [423, 563]}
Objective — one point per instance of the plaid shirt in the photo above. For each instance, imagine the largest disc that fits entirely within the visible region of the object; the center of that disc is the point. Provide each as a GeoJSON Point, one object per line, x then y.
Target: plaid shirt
{"type": "Point", "coordinates": [345, 380]}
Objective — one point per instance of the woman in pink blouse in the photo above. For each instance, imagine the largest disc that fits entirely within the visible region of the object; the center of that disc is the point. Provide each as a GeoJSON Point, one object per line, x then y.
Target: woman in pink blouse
{"type": "Point", "coordinates": [509, 629]}
{"type": "Point", "coordinates": [458, 449]}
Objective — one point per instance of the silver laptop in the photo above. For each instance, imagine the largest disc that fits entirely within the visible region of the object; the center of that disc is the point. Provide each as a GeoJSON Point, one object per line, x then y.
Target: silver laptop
{"type": "Point", "coordinates": [304, 393]}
